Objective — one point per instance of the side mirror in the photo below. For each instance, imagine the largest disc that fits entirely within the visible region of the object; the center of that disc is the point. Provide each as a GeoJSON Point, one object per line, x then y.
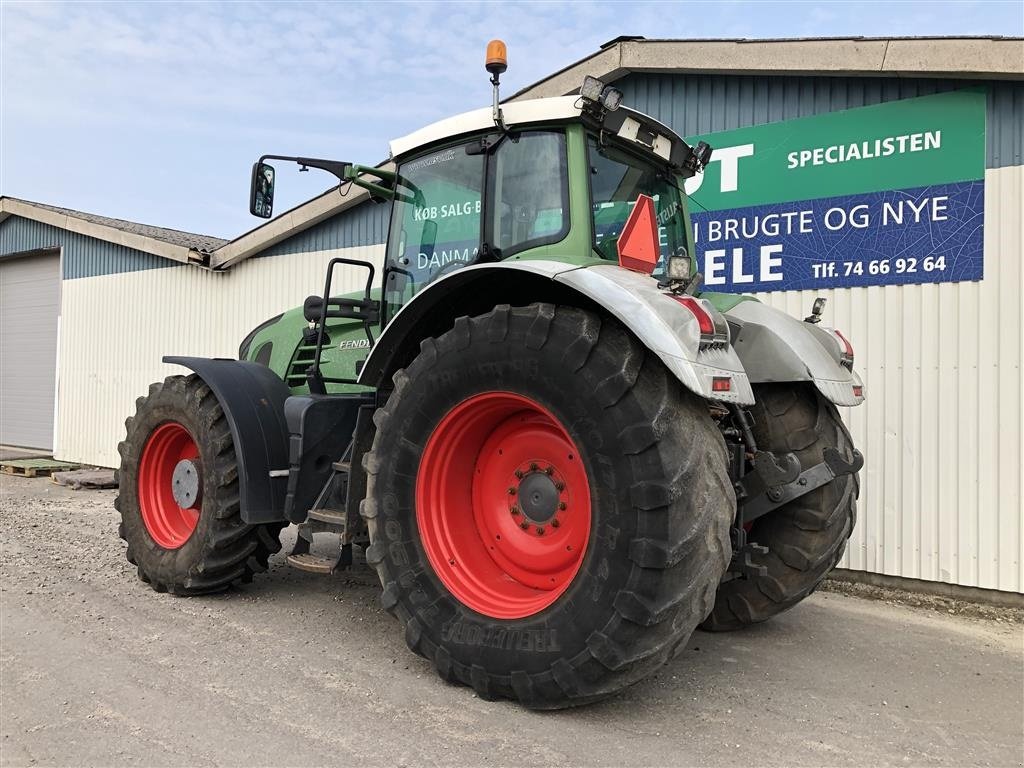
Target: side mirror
{"type": "Point", "coordinates": [261, 191]}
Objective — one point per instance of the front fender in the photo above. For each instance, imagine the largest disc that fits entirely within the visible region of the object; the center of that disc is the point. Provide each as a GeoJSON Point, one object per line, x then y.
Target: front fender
{"type": "Point", "coordinates": [252, 397]}
{"type": "Point", "coordinates": [667, 329]}
{"type": "Point", "coordinates": [776, 347]}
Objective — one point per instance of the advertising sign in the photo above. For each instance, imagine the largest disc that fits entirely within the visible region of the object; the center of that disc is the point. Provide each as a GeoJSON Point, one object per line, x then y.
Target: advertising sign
{"type": "Point", "coordinates": [880, 195]}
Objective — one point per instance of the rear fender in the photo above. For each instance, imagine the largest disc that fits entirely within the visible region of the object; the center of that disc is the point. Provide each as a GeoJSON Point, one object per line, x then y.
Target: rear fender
{"type": "Point", "coordinates": [252, 397]}
{"type": "Point", "coordinates": [665, 327]}
{"type": "Point", "coordinates": [776, 347]}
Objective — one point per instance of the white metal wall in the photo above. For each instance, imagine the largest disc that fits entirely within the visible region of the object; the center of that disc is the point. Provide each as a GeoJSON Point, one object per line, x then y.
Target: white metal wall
{"type": "Point", "coordinates": [941, 429]}
{"type": "Point", "coordinates": [117, 327]}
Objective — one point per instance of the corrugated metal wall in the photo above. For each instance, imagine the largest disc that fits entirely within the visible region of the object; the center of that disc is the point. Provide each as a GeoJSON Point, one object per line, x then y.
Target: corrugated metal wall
{"type": "Point", "coordinates": [117, 327]}
{"type": "Point", "coordinates": [941, 430]}
{"type": "Point", "coordinates": [366, 224]}
{"type": "Point", "coordinates": [82, 256]}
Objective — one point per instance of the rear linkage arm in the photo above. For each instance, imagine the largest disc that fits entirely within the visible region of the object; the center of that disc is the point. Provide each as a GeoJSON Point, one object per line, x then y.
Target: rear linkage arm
{"type": "Point", "coordinates": [775, 479]}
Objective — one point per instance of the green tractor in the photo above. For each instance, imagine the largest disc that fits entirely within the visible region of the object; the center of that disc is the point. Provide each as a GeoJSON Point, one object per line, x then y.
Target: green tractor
{"type": "Point", "coordinates": [558, 453]}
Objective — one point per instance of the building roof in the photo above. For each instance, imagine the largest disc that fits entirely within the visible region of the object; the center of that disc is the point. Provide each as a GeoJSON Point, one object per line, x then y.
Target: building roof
{"type": "Point", "coordinates": [947, 57]}
{"type": "Point", "coordinates": [160, 241]}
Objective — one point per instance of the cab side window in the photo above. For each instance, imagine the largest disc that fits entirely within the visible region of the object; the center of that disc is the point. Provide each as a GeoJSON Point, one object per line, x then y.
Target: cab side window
{"type": "Point", "coordinates": [531, 191]}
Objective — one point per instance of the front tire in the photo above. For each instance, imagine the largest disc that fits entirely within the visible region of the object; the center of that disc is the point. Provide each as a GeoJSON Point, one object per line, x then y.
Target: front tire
{"type": "Point", "coordinates": [806, 538]}
{"type": "Point", "coordinates": [504, 425]}
{"type": "Point", "coordinates": [178, 494]}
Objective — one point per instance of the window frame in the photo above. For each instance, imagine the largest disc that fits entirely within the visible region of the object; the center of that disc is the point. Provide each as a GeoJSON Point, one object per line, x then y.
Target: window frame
{"type": "Point", "coordinates": [490, 204]}
{"type": "Point", "coordinates": [391, 264]}
{"type": "Point", "coordinates": [645, 160]}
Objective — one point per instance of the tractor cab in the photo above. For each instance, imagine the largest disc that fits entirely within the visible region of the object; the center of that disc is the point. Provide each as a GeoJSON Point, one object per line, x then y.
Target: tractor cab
{"type": "Point", "coordinates": [579, 180]}
{"type": "Point", "coordinates": [555, 178]}
{"type": "Point", "coordinates": [546, 179]}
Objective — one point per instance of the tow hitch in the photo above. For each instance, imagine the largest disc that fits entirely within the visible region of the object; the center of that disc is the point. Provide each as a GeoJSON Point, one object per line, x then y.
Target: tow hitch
{"type": "Point", "coordinates": [773, 480]}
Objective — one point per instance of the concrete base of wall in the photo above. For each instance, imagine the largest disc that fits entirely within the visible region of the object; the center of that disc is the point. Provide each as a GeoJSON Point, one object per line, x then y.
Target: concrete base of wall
{"type": "Point", "coordinates": [993, 597]}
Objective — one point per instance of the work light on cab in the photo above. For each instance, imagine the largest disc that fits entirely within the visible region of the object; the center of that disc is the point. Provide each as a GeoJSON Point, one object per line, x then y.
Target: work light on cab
{"type": "Point", "coordinates": [599, 97]}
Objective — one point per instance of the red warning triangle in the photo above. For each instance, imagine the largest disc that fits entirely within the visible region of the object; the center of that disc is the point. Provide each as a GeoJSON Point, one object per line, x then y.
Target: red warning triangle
{"type": "Point", "coordinates": [638, 244]}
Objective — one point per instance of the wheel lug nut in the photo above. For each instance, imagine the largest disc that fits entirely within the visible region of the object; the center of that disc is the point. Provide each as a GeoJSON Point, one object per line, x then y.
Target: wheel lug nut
{"type": "Point", "coordinates": [555, 523]}
{"type": "Point", "coordinates": [519, 474]}
{"type": "Point", "coordinates": [533, 466]}
{"type": "Point", "coordinates": [540, 530]}
{"type": "Point", "coordinates": [511, 491]}
{"type": "Point", "coordinates": [560, 486]}
{"type": "Point", "coordinates": [524, 525]}
{"type": "Point", "coordinates": [514, 510]}
{"type": "Point", "coordinates": [561, 505]}
{"type": "Point", "coordinates": [549, 471]}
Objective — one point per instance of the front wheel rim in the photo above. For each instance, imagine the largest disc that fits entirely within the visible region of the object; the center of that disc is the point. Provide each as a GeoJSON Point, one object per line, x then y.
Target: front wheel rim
{"type": "Point", "coordinates": [170, 446]}
{"type": "Point", "coordinates": [503, 505]}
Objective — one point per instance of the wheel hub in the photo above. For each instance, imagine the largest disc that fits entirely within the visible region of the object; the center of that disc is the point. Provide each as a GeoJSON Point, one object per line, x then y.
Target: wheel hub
{"type": "Point", "coordinates": [169, 485]}
{"type": "Point", "coordinates": [185, 483]}
{"type": "Point", "coordinates": [538, 497]}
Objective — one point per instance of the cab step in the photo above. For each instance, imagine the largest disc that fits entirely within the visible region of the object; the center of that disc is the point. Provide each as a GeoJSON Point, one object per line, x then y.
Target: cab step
{"type": "Point", "coordinates": [330, 513]}
{"type": "Point", "coordinates": [324, 522]}
{"type": "Point", "coordinates": [307, 561]}
{"type": "Point", "coordinates": [335, 517]}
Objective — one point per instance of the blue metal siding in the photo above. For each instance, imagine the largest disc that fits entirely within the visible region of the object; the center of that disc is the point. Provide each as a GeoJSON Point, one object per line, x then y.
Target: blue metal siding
{"type": "Point", "coordinates": [699, 104]}
{"type": "Point", "coordinates": [366, 224]}
{"type": "Point", "coordinates": [83, 256]}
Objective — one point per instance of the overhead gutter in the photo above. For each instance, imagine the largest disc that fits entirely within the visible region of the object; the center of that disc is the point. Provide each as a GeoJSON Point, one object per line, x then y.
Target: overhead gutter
{"type": "Point", "coordinates": [289, 223]}
{"type": "Point", "coordinates": [959, 58]}
{"type": "Point", "coordinates": [13, 207]}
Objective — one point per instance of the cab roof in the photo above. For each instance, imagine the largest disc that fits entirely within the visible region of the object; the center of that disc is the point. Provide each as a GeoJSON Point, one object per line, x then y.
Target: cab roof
{"type": "Point", "coordinates": [516, 113]}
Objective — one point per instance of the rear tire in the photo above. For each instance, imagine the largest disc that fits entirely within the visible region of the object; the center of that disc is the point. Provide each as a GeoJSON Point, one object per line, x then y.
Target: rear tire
{"type": "Point", "coordinates": [807, 537]}
{"type": "Point", "coordinates": [204, 546]}
{"type": "Point", "coordinates": [658, 504]}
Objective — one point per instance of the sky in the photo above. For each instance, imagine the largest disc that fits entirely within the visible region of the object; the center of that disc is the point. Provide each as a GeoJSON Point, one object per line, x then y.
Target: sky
{"type": "Point", "coordinates": [155, 111]}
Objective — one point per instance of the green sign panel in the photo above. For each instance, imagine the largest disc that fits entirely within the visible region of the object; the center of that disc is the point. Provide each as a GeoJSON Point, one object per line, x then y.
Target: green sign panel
{"type": "Point", "coordinates": [891, 193]}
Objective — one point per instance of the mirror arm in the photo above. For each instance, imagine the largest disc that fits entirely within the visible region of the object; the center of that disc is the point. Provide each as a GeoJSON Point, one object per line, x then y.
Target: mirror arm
{"type": "Point", "coordinates": [380, 173]}
{"type": "Point", "coordinates": [374, 188]}
{"type": "Point", "coordinates": [388, 193]}
{"type": "Point", "coordinates": [335, 167]}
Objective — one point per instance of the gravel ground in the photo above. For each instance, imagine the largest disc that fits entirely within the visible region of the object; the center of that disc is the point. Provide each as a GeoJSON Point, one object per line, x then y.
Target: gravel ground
{"type": "Point", "coordinates": [297, 669]}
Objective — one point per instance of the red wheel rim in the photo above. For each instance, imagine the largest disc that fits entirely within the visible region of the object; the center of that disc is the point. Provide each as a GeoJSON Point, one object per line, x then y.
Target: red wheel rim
{"type": "Point", "coordinates": [503, 505]}
{"type": "Point", "coordinates": [168, 524]}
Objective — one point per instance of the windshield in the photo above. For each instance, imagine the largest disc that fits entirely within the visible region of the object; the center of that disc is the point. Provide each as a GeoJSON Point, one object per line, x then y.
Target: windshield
{"type": "Point", "coordinates": [617, 178]}
{"type": "Point", "coordinates": [438, 228]}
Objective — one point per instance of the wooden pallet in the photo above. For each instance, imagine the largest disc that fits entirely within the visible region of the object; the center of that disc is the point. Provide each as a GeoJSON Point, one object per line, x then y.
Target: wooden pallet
{"type": "Point", "coordinates": [35, 467]}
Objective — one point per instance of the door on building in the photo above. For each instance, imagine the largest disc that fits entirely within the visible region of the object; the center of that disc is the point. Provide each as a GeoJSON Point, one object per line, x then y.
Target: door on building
{"type": "Point", "coordinates": [29, 310]}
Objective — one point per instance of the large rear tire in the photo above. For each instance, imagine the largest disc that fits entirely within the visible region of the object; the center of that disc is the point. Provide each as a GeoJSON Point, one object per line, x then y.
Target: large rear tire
{"type": "Point", "coordinates": [548, 508]}
{"type": "Point", "coordinates": [807, 537]}
{"type": "Point", "coordinates": [178, 494]}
